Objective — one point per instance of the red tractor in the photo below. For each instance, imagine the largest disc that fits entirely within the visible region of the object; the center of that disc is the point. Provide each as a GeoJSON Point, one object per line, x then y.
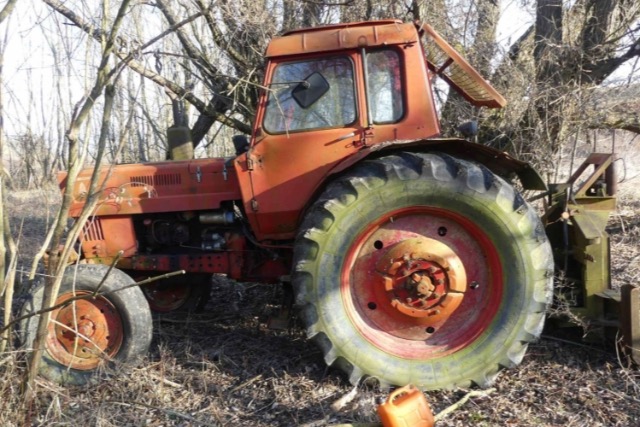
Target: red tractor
{"type": "Point", "coordinates": [411, 257]}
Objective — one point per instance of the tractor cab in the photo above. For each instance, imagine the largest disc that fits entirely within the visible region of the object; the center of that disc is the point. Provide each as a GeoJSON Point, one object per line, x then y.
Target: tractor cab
{"type": "Point", "coordinates": [333, 93]}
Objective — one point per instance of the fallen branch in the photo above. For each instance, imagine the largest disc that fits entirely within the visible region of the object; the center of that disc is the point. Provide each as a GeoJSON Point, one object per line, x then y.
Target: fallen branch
{"type": "Point", "coordinates": [448, 410]}
{"type": "Point", "coordinates": [165, 381]}
{"type": "Point", "coordinates": [92, 296]}
{"type": "Point", "coordinates": [246, 383]}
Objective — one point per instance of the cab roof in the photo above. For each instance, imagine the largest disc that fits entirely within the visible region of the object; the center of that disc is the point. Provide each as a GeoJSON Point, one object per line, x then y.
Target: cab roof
{"type": "Point", "coordinates": [442, 59]}
{"type": "Point", "coordinates": [342, 36]}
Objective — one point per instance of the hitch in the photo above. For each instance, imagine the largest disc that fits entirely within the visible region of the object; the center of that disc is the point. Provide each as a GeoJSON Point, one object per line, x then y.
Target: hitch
{"type": "Point", "coordinates": [575, 223]}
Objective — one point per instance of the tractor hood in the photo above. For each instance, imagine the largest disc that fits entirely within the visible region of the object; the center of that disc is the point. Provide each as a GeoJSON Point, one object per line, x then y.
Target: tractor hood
{"type": "Point", "coordinates": [156, 187]}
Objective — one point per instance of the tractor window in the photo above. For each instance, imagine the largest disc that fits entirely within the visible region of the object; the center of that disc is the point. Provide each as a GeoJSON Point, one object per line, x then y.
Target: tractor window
{"type": "Point", "coordinates": [384, 86]}
{"type": "Point", "coordinates": [335, 108]}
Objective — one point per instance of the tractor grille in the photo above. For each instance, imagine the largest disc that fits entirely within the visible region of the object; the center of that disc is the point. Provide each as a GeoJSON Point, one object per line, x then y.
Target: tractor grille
{"type": "Point", "coordinates": [156, 180]}
{"type": "Point", "coordinates": [92, 230]}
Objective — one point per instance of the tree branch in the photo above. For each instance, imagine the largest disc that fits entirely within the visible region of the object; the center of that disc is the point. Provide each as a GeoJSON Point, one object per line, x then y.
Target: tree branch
{"type": "Point", "coordinates": [614, 108]}
{"type": "Point", "coordinates": [600, 70]}
{"type": "Point", "coordinates": [218, 37]}
{"type": "Point", "coordinates": [92, 296]}
{"type": "Point", "coordinates": [141, 69]}
{"type": "Point", "coordinates": [7, 9]}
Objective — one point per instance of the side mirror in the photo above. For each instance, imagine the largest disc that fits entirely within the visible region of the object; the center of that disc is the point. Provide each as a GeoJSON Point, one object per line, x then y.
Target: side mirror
{"type": "Point", "coordinates": [310, 90]}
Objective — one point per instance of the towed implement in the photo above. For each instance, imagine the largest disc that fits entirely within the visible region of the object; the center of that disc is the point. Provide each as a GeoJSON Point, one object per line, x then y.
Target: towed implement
{"type": "Point", "coordinates": [411, 257]}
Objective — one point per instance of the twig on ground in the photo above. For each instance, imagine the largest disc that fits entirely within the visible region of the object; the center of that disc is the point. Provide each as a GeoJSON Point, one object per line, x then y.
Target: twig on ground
{"type": "Point", "coordinates": [344, 400]}
{"type": "Point", "coordinates": [577, 344]}
{"type": "Point", "coordinates": [246, 383]}
{"type": "Point", "coordinates": [448, 410]}
{"type": "Point", "coordinates": [5, 360]}
{"type": "Point", "coordinates": [169, 412]}
{"type": "Point", "coordinates": [316, 423]}
{"type": "Point", "coordinates": [166, 381]}
{"type": "Point", "coordinates": [619, 395]}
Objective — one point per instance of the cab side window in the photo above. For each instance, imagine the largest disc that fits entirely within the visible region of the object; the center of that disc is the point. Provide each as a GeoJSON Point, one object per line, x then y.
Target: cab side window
{"type": "Point", "coordinates": [335, 108]}
{"type": "Point", "coordinates": [384, 86]}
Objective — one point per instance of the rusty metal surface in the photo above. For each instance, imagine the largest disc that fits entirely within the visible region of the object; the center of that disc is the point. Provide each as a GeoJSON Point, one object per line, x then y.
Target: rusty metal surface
{"type": "Point", "coordinates": [106, 236]}
{"type": "Point", "coordinates": [448, 64]}
{"type": "Point", "coordinates": [204, 263]}
{"type": "Point", "coordinates": [166, 296]}
{"type": "Point", "coordinates": [379, 288]}
{"type": "Point", "coordinates": [84, 333]}
{"type": "Point", "coordinates": [630, 321]}
{"type": "Point", "coordinates": [281, 173]}
{"type": "Point", "coordinates": [158, 187]}
{"type": "Point", "coordinates": [600, 181]}
{"type": "Point", "coordinates": [424, 278]}
{"type": "Point", "coordinates": [576, 225]}
{"type": "Point", "coordinates": [342, 37]}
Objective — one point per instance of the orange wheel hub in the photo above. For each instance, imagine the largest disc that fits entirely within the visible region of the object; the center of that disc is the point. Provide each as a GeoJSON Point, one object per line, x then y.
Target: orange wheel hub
{"type": "Point", "coordinates": [85, 332]}
{"type": "Point", "coordinates": [423, 279]}
{"type": "Point", "coordinates": [421, 282]}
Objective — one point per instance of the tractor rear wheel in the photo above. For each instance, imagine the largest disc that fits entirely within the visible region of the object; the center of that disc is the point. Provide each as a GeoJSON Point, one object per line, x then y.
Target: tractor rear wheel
{"type": "Point", "coordinates": [90, 334]}
{"type": "Point", "coordinates": [424, 269]}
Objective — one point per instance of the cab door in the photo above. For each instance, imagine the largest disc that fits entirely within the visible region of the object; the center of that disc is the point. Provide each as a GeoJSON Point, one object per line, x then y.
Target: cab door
{"type": "Point", "coordinates": [310, 120]}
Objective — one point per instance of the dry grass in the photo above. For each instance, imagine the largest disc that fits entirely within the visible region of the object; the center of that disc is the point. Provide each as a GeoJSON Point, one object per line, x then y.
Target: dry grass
{"type": "Point", "coordinates": [225, 367]}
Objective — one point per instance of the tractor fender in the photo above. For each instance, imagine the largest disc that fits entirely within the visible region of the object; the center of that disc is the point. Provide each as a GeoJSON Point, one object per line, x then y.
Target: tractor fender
{"type": "Point", "coordinates": [498, 162]}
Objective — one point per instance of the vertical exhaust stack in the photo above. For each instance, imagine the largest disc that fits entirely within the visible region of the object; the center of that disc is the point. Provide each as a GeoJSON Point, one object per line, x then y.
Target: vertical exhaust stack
{"type": "Point", "coordinates": [179, 135]}
{"type": "Point", "coordinates": [180, 143]}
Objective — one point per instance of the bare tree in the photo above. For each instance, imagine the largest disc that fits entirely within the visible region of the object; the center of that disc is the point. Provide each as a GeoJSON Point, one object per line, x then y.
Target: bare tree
{"type": "Point", "coordinates": [562, 61]}
{"type": "Point", "coordinates": [8, 249]}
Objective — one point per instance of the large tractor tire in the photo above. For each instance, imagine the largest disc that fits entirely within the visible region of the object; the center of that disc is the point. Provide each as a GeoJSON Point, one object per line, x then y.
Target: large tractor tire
{"type": "Point", "coordinates": [88, 335]}
{"type": "Point", "coordinates": [424, 269]}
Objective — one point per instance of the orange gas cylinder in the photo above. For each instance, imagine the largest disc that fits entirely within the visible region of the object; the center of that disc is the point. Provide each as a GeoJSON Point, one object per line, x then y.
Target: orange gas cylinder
{"type": "Point", "coordinates": [406, 407]}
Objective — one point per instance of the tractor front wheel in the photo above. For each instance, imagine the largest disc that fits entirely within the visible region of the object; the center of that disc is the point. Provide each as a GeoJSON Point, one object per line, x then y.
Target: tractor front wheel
{"type": "Point", "coordinates": [424, 269]}
{"type": "Point", "coordinates": [90, 333]}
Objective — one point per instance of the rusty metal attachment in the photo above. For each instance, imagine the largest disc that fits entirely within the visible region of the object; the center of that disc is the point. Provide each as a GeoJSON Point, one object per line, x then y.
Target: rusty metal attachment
{"type": "Point", "coordinates": [630, 321]}
{"type": "Point", "coordinates": [576, 223]}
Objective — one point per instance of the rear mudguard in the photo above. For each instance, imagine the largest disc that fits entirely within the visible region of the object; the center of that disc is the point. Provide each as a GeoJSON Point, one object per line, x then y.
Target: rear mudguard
{"type": "Point", "coordinates": [498, 162]}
